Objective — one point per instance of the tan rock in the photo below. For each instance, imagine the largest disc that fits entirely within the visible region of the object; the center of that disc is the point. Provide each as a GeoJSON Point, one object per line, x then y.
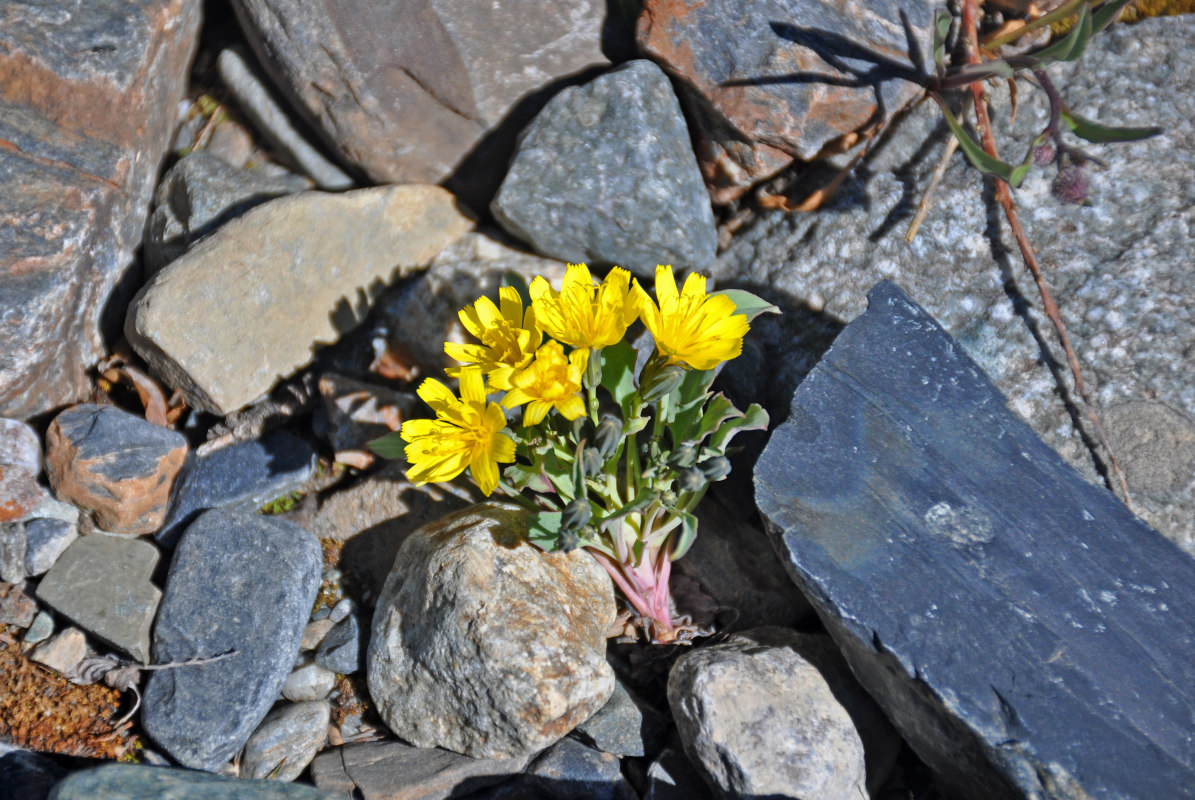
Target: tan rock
{"type": "Point", "coordinates": [62, 653]}
{"type": "Point", "coordinates": [250, 304]}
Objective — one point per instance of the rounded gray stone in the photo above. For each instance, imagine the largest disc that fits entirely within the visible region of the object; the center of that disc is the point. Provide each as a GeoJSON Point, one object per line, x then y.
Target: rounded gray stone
{"type": "Point", "coordinates": [606, 174]}
{"type": "Point", "coordinates": [286, 741]}
{"type": "Point", "coordinates": [239, 581]}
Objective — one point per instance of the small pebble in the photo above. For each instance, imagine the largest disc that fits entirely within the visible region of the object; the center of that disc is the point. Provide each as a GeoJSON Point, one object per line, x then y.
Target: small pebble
{"type": "Point", "coordinates": [45, 540]}
{"type": "Point", "coordinates": [62, 653]}
{"type": "Point", "coordinates": [343, 608]}
{"type": "Point", "coordinates": [311, 682]}
{"type": "Point", "coordinates": [315, 632]}
{"type": "Point", "coordinates": [286, 741]}
{"type": "Point", "coordinates": [41, 628]}
{"type": "Point", "coordinates": [340, 651]}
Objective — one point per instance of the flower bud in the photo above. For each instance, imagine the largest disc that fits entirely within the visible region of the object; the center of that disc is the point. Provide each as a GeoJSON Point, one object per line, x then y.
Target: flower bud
{"type": "Point", "coordinates": [685, 455]}
{"type": "Point", "coordinates": [608, 435]}
{"type": "Point", "coordinates": [691, 480]}
{"type": "Point", "coordinates": [1070, 185]}
{"type": "Point", "coordinates": [716, 468]}
{"type": "Point", "coordinates": [568, 541]}
{"type": "Point", "coordinates": [576, 515]}
{"type": "Point", "coordinates": [1043, 155]}
{"type": "Point", "coordinates": [591, 461]}
{"type": "Point", "coordinates": [660, 382]}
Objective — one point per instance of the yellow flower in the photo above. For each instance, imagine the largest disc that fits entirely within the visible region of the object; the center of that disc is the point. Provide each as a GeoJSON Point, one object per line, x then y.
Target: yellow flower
{"type": "Point", "coordinates": [582, 314]}
{"type": "Point", "coordinates": [551, 381]}
{"type": "Point", "coordinates": [465, 433]}
{"type": "Point", "coordinates": [508, 337]}
{"type": "Point", "coordinates": [690, 327]}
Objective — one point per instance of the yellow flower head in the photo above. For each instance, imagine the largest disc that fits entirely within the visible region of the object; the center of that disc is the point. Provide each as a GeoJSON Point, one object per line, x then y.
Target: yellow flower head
{"type": "Point", "coordinates": [551, 381]}
{"type": "Point", "coordinates": [465, 433]}
{"type": "Point", "coordinates": [690, 327]}
{"type": "Point", "coordinates": [582, 314]}
{"type": "Point", "coordinates": [508, 336]}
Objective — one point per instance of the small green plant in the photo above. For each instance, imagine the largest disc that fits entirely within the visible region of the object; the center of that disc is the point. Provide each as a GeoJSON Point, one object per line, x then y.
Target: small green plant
{"type": "Point", "coordinates": [614, 448]}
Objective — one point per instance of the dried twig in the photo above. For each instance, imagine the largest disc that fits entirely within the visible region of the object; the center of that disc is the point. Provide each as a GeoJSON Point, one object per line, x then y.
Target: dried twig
{"type": "Point", "coordinates": [124, 675]}
{"type": "Point", "coordinates": [1004, 197]}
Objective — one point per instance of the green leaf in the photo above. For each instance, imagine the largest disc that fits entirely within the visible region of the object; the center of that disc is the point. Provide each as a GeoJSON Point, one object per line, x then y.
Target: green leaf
{"type": "Point", "coordinates": [543, 528]}
{"type": "Point", "coordinates": [528, 476]}
{"type": "Point", "coordinates": [618, 371]}
{"type": "Point", "coordinates": [718, 411]}
{"type": "Point", "coordinates": [942, 19]}
{"type": "Point", "coordinates": [1071, 46]}
{"type": "Point", "coordinates": [641, 501]}
{"type": "Point", "coordinates": [1095, 132]}
{"type": "Point", "coordinates": [756, 419]}
{"type": "Point", "coordinates": [747, 303]}
{"type": "Point", "coordinates": [975, 154]}
{"type": "Point", "coordinates": [560, 475]}
{"type": "Point", "coordinates": [390, 446]}
{"type": "Point", "coordinates": [682, 540]}
{"type": "Point", "coordinates": [1107, 14]}
{"type": "Point", "coordinates": [691, 393]}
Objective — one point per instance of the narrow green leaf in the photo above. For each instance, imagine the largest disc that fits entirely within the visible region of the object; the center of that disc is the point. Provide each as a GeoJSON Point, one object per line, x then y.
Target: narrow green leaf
{"type": "Point", "coordinates": [1071, 46]}
{"type": "Point", "coordinates": [682, 540]}
{"type": "Point", "coordinates": [640, 502]}
{"type": "Point", "coordinates": [747, 303]}
{"type": "Point", "coordinates": [1095, 132]}
{"type": "Point", "coordinates": [527, 476]}
{"type": "Point", "coordinates": [756, 419]}
{"type": "Point", "coordinates": [718, 411]}
{"type": "Point", "coordinates": [975, 154]}
{"type": "Point", "coordinates": [1106, 14]}
{"type": "Point", "coordinates": [942, 19]}
{"type": "Point", "coordinates": [390, 446]}
{"type": "Point", "coordinates": [543, 528]}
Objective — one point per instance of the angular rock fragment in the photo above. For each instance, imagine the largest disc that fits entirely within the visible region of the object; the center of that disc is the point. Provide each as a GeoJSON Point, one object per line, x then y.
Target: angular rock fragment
{"type": "Point", "coordinates": [13, 545]}
{"type": "Point", "coordinates": [397, 771]}
{"type": "Point", "coordinates": [16, 607]}
{"type": "Point", "coordinates": [484, 644]}
{"type": "Point", "coordinates": [20, 463]}
{"type": "Point", "coordinates": [759, 720]}
{"type": "Point", "coordinates": [118, 466]}
{"type": "Point", "coordinates": [1027, 635]}
{"type": "Point", "coordinates": [770, 80]}
{"type": "Point", "coordinates": [103, 583]}
{"type": "Point", "coordinates": [286, 741]}
{"type": "Point", "coordinates": [280, 280]}
{"type": "Point", "coordinates": [570, 769]}
{"type": "Point", "coordinates": [340, 651]}
{"type": "Point", "coordinates": [62, 653]}
{"type": "Point", "coordinates": [625, 726]}
{"type": "Point", "coordinates": [245, 475]}
{"type": "Point", "coordinates": [87, 104]}
{"type": "Point", "coordinates": [46, 539]}
{"type": "Point", "coordinates": [405, 92]}
{"type": "Point", "coordinates": [242, 582]}
{"type": "Point", "coordinates": [605, 174]}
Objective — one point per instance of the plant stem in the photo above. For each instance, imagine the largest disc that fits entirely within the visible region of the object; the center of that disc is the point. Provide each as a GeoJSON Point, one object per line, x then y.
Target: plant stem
{"type": "Point", "coordinates": [1004, 197]}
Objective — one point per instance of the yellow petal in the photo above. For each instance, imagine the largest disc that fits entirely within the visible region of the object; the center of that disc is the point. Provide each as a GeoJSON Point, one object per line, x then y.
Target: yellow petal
{"type": "Point", "coordinates": [434, 393]}
{"type": "Point", "coordinates": [571, 407]}
{"type": "Point", "coordinates": [540, 288]}
{"type": "Point", "coordinates": [535, 412]}
{"type": "Point", "coordinates": [472, 385]}
{"type": "Point", "coordinates": [695, 287]}
{"type": "Point", "coordinates": [665, 285]}
{"type": "Point", "coordinates": [485, 471]}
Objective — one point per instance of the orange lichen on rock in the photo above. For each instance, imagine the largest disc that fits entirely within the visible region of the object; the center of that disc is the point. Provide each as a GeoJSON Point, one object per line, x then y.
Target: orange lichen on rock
{"type": "Point", "coordinates": [41, 710]}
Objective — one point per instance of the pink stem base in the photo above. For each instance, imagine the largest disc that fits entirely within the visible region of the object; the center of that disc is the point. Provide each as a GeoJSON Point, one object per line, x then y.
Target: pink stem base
{"type": "Point", "coordinates": [645, 586]}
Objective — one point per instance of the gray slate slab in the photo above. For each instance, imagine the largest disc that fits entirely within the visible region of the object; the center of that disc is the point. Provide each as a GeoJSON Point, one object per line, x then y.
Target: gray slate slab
{"type": "Point", "coordinates": [606, 174]}
{"type": "Point", "coordinates": [140, 782]}
{"type": "Point", "coordinates": [397, 771]}
{"type": "Point", "coordinates": [238, 581]}
{"type": "Point", "coordinates": [1025, 632]}
{"type": "Point", "coordinates": [247, 474]}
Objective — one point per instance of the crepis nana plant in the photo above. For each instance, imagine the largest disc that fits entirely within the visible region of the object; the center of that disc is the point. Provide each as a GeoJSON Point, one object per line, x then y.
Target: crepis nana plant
{"type": "Point", "coordinates": [613, 448]}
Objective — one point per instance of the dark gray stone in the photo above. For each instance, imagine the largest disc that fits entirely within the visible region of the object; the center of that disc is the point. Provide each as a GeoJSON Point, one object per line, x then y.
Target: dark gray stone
{"type": "Point", "coordinates": [625, 726]}
{"type": "Point", "coordinates": [341, 650]}
{"type": "Point", "coordinates": [198, 195]}
{"type": "Point", "coordinates": [672, 776]}
{"type": "Point", "coordinates": [770, 80]}
{"type": "Point", "coordinates": [568, 770]}
{"type": "Point", "coordinates": [397, 771]}
{"type": "Point", "coordinates": [1119, 267]}
{"type": "Point", "coordinates": [87, 106]}
{"type": "Point", "coordinates": [139, 782]}
{"type": "Point", "coordinates": [27, 775]}
{"type": "Point", "coordinates": [45, 540]}
{"type": "Point", "coordinates": [605, 174]}
{"type": "Point", "coordinates": [13, 546]}
{"type": "Point", "coordinates": [103, 583]}
{"type": "Point", "coordinates": [1026, 634]}
{"type": "Point", "coordinates": [238, 581]}
{"type": "Point", "coordinates": [246, 475]}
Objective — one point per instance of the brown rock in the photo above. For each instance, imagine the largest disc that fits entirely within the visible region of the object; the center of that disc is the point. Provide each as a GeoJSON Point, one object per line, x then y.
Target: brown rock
{"type": "Point", "coordinates": [747, 132]}
{"type": "Point", "coordinates": [116, 465]}
{"type": "Point", "coordinates": [16, 607]}
{"type": "Point", "coordinates": [87, 99]}
{"type": "Point", "coordinates": [406, 90]}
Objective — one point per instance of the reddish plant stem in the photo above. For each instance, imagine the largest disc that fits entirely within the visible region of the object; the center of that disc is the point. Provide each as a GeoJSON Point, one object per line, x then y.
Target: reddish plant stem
{"type": "Point", "coordinates": [970, 24]}
{"type": "Point", "coordinates": [649, 595]}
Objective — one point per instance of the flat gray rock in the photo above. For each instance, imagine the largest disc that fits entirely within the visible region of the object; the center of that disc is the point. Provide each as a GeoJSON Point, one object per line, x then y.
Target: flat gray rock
{"type": "Point", "coordinates": [605, 174]}
{"type": "Point", "coordinates": [87, 108]}
{"type": "Point", "coordinates": [1119, 268]}
{"type": "Point", "coordinates": [286, 741]}
{"type": "Point", "coordinates": [103, 583]}
{"type": "Point", "coordinates": [397, 771]}
{"type": "Point", "coordinates": [238, 581]}
{"type": "Point", "coordinates": [1026, 634]}
{"type": "Point", "coordinates": [280, 280]}
{"type": "Point", "coordinates": [140, 782]}
{"type": "Point", "coordinates": [405, 92]}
